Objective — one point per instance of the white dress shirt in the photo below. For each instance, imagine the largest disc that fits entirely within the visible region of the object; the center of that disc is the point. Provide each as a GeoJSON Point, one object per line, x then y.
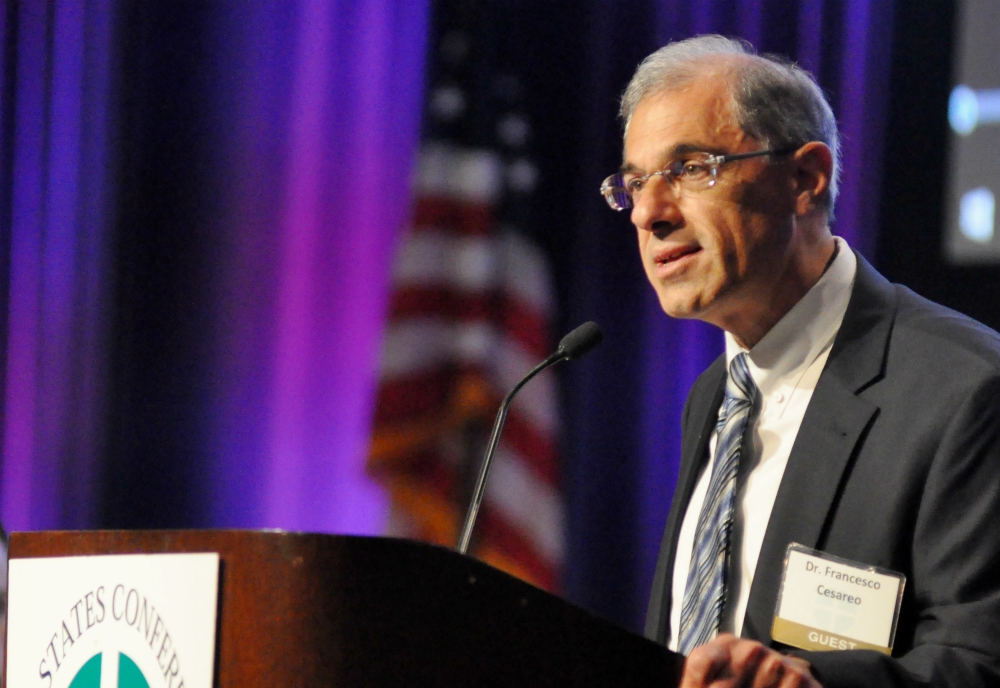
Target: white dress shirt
{"type": "Point", "coordinates": [785, 366]}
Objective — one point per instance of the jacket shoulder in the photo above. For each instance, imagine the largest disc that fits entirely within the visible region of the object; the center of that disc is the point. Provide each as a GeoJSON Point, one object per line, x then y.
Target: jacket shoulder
{"type": "Point", "coordinates": [935, 330]}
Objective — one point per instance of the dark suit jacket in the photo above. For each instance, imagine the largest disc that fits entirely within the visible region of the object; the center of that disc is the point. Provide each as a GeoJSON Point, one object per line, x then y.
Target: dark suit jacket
{"type": "Point", "coordinates": [897, 465]}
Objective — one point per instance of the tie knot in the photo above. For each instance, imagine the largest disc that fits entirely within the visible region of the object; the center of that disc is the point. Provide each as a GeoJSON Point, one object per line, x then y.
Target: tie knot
{"type": "Point", "coordinates": [740, 385]}
{"type": "Point", "coordinates": [740, 391]}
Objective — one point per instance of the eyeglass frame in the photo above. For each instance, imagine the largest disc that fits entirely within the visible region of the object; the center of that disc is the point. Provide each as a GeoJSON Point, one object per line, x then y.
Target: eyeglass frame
{"type": "Point", "coordinates": [714, 161]}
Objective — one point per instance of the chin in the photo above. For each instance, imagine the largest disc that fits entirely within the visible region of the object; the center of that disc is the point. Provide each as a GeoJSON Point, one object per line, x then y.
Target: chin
{"type": "Point", "coordinates": [697, 299]}
{"type": "Point", "coordinates": [680, 309]}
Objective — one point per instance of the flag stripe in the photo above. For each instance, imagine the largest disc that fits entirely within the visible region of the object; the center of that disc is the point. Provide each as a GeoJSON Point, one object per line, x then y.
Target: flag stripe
{"type": "Point", "coordinates": [432, 301]}
{"type": "Point", "coordinates": [531, 505]}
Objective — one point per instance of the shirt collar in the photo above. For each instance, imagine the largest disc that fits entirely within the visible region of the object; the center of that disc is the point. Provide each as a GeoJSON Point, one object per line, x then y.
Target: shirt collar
{"type": "Point", "coordinates": [806, 330]}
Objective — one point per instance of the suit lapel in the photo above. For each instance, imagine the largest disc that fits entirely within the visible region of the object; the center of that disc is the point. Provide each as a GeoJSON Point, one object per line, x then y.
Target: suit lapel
{"type": "Point", "coordinates": [699, 421]}
{"type": "Point", "coordinates": [694, 452]}
{"type": "Point", "coordinates": [831, 429]}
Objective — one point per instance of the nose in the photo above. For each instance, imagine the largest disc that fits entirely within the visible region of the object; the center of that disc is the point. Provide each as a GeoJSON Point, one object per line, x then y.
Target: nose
{"type": "Point", "coordinates": [656, 208]}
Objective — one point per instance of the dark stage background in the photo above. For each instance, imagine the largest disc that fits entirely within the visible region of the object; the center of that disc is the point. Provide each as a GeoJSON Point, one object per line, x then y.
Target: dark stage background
{"type": "Point", "coordinates": [174, 382]}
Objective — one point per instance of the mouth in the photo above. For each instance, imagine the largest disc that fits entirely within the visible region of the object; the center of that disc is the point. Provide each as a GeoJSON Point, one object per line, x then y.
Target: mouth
{"type": "Point", "coordinates": [668, 256]}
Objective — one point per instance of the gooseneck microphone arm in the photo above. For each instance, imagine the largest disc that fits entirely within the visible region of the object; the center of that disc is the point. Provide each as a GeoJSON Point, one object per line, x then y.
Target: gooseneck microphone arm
{"type": "Point", "coordinates": [484, 469]}
{"type": "Point", "coordinates": [574, 345]}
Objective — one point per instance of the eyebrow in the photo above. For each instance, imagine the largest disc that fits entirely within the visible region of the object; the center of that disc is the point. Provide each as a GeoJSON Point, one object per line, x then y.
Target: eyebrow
{"type": "Point", "coordinates": [678, 150]}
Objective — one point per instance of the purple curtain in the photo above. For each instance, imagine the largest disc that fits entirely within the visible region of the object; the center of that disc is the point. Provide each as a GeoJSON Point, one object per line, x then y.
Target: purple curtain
{"type": "Point", "coordinates": [304, 116]}
{"type": "Point", "coordinates": [322, 126]}
{"type": "Point", "coordinates": [54, 175]}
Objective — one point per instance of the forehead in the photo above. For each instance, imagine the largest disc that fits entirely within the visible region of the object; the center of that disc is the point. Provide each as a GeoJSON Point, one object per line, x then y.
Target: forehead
{"type": "Point", "coordinates": [697, 116]}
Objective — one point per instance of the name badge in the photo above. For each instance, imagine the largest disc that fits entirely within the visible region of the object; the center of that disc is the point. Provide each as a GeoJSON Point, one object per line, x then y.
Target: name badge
{"type": "Point", "coordinates": [829, 603]}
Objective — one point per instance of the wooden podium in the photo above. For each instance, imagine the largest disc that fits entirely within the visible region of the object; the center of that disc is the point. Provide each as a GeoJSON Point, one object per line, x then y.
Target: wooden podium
{"type": "Point", "coordinates": [321, 610]}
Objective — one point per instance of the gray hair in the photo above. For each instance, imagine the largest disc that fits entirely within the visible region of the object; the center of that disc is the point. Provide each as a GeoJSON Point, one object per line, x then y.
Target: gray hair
{"type": "Point", "coordinates": [774, 100]}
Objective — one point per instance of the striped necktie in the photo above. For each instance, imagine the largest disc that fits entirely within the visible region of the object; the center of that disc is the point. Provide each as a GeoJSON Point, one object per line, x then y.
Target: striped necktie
{"type": "Point", "coordinates": [706, 582]}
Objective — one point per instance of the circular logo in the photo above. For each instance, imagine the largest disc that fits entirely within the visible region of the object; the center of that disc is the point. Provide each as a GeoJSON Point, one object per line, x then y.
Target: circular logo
{"type": "Point", "coordinates": [129, 675]}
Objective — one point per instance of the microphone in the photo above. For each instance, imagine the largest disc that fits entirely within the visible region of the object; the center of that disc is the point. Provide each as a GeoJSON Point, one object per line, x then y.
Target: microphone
{"type": "Point", "coordinates": [574, 345]}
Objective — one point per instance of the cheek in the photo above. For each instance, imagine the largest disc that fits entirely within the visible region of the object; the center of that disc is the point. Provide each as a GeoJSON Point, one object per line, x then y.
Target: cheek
{"type": "Point", "coordinates": [643, 241]}
{"type": "Point", "coordinates": [719, 233]}
{"type": "Point", "coordinates": [728, 241]}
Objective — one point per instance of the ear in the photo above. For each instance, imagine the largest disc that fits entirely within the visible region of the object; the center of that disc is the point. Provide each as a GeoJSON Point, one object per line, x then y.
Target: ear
{"type": "Point", "coordinates": [813, 171]}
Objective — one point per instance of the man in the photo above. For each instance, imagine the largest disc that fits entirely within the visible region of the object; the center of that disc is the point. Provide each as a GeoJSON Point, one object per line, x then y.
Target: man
{"type": "Point", "coordinates": [847, 415]}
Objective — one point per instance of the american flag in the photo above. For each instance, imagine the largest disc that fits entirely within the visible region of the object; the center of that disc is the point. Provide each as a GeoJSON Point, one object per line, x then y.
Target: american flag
{"type": "Point", "coordinates": [470, 314]}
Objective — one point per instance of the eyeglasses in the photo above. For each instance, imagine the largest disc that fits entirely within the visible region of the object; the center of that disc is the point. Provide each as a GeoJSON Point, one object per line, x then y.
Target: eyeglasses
{"type": "Point", "coordinates": [692, 172]}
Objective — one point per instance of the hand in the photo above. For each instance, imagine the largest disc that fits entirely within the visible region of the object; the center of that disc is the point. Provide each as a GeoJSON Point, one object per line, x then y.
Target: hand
{"type": "Point", "coordinates": [730, 662]}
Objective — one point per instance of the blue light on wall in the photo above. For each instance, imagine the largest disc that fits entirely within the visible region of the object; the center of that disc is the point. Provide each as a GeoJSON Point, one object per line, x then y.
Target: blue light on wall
{"type": "Point", "coordinates": [976, 213]}
{"type": "Point", "coordinates": [968, 109]}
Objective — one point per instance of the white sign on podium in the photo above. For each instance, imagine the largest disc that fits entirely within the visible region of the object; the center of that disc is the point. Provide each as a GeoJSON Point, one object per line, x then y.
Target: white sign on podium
{"type": "Point", "coordinates": [118, 621]}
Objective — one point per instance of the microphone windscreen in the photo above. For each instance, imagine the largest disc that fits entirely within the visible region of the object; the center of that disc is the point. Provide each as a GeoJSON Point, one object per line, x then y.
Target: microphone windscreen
{"type": "Point", "coordinates": [580, 341]}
